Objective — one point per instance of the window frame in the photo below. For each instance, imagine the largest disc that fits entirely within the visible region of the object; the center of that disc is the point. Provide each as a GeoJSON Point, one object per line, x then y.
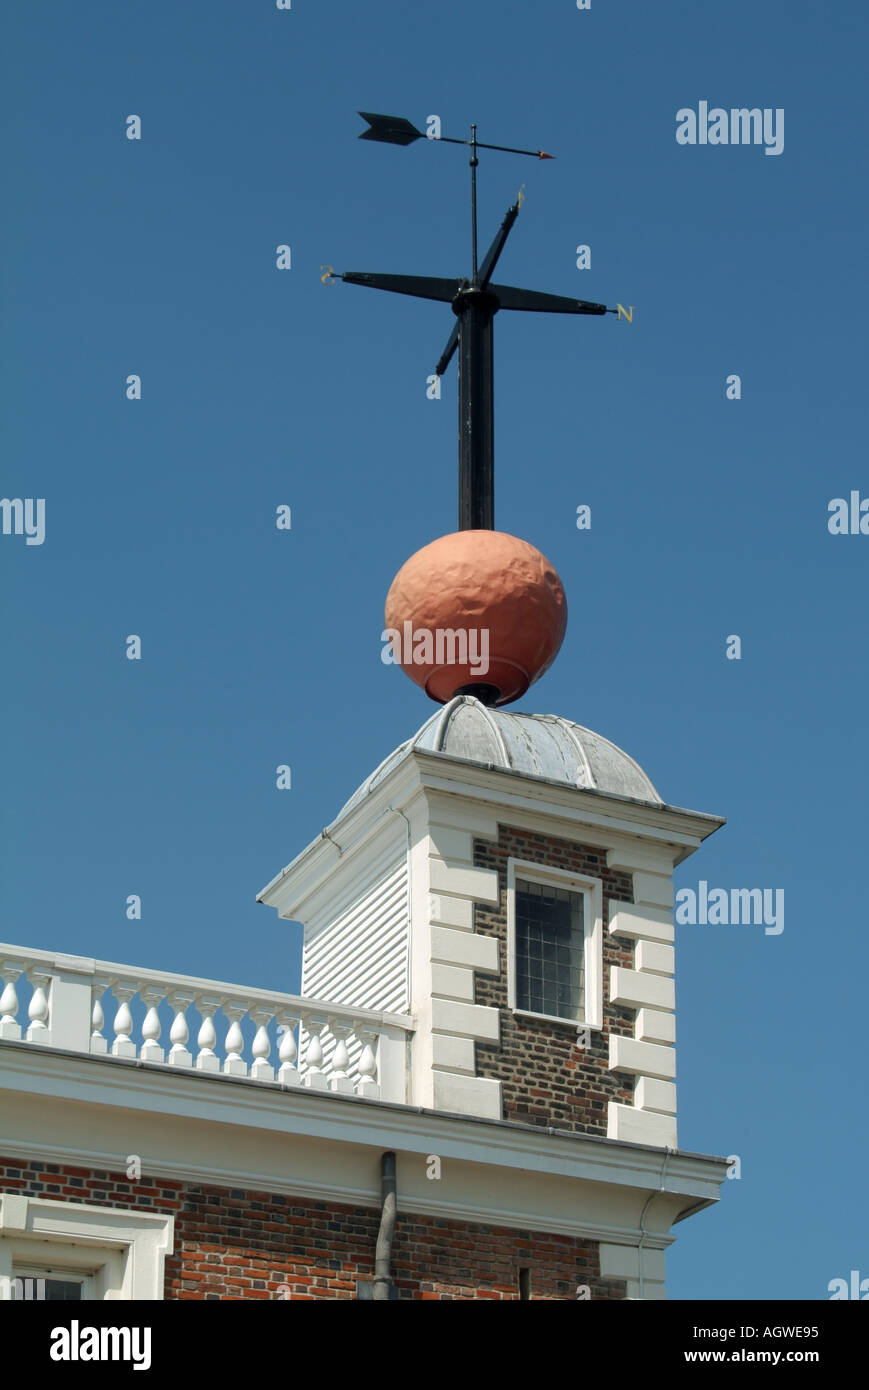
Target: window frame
{"type": "Point", "coordinates": [57, 1269]}
{"type": "Point", "coordinates": [121, 1250]}
{"type": "Point", "coordinates": [591, 891]}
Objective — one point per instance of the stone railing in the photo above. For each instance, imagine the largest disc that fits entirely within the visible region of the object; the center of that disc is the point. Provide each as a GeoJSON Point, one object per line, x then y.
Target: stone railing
{"type": "Point", "coordinates": [359, 1052]}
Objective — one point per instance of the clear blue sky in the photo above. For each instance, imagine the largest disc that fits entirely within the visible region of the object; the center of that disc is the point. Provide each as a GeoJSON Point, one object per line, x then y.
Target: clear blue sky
{"type": "Point", "coordinates": [260, 647]}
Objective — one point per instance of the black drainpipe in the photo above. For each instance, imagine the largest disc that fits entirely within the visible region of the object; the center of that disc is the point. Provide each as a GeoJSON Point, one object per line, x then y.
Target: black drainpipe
{"type": "Point", "coordinates": [383, 1251]}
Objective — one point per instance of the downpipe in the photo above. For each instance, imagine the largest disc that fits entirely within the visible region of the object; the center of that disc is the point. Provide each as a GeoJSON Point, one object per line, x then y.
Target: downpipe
{"type": "Point", "coordinates": [383, 1250]}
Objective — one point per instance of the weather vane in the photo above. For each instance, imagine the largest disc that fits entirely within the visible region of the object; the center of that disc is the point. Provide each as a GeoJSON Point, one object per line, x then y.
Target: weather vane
{"type": "Point", "coordinates": [475, 302]}
{"type": "Point", "coordinates": [478, 612]}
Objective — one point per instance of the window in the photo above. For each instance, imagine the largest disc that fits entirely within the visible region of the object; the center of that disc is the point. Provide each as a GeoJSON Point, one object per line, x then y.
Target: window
{"type": "Point", "coordinates": [550, 946]}
{"type": "Point", "coordinates": [68, 1251]}
{"type": "Point", "coordinates": [554, 944]}
{"type": "Point", "coordinates": [51, 1285]}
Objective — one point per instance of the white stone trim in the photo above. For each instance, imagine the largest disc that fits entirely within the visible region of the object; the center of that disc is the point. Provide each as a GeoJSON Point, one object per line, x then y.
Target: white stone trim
{"type": "Point", "coordinates": [58, 1261]}
{"type": "Point", "coordinates": [623, 1262]}
{"type": "Point", "coordinates": [655, 957]}
{"type": "Point", "coordinates": [654, 890]}
{"type": "Point", "coordinates": [650, 923]}
{"type": "Point", "coordinates": [325, 876]}
{"type": "Point", "coordinates": [465, 1020]}
{"type": "Point", "coordinates": [542, 804]}
{"type": "Point", "coordinates": [643, 1267]}
{"type": "Point", "coordinates": [638, 855]}
{"type": "Point", "coordinates": [454, 1054]}
{"type": "Point", "coordinates": [642, 1058]}
{"type": "Point", "coordinates": [462, 813]}
{"type": "Point", "coordinates": [454, 952]}
{"type": "Point", "coordinates": [463, 882]}
{"type": "Point", "coordinates": [451, 912]}
{"type": "Point", "coordinates": [640, 1126]}
{"type": "Point", "coordinates": [49, 1111]}
{"type": "Point", "coordinates": [324, 1147]}
{"type": "Point", "coordinates": [467, 1095]}
{"type": "Point", "coordinates": [591, 890]}
{"type": "Point", "coordinates": [648, 1291]}
{"type": "Point", "coordinates": [637, 990]}
{"type": "Point", "coordinates": [654, 1026]}
{"type": "Point", "coordinates": [449, 947]}
{"type": "Point", "coordinates": [452, 843]}
{"type": "Point", "coordinates": [652, 1094]}
{"type": "Point", "coordinates": [124, 1250]}
{"type": "Point", "coordinates": [556, 1018]}
{"type": "Point", "coordinates": [491, 1198]}
{"type": "Point", "coordinates": [487, 796]}
{"type": "Point", "coordinates": [453, 982]}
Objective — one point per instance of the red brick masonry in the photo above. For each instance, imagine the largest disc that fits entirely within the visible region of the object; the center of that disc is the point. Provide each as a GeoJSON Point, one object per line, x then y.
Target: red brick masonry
{"type": "Point", "coordinates": [546, 1079]}
{"type": "Point", "coordinates": [233, 1244]}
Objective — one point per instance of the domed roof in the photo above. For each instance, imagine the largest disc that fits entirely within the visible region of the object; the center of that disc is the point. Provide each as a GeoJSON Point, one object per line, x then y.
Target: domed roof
{"type": "Point", "coordinates": [536, 745]}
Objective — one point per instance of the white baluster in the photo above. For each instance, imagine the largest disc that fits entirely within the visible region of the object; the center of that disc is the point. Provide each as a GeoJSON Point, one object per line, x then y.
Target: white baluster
{"type": "Point", "coordinates": [367, 1084]}
{"type": "Point", "coordinates": [206, 1039]}
{"type": "Point", "coordinates": [179, 1055]}
{"type": "Point", "coordinates": [234, 1063]}
{"type": "Point", "coordinates": [339, 1080]}
{"type": "Point", "coordinates": [288, 1072]}
{"type": "Point", "coordinates": [10, 1028]}
{"type": "Point", "coordinates": [123, 1046]}
{"type": "Point", "coordinates": [315, 1077]}
{"type": "Point", "coordinates": [99, 1044]}
{"type": "Point", "coordinates": [37, 1011]}
{"type": "Point", "coordinates": [261, 1069]}
{"type": "Point", "coordinates": [151, 1051]}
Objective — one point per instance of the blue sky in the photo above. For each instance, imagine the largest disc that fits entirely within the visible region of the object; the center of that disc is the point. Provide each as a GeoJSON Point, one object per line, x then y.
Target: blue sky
{"type": "Point", "coordinates": [260, 387]}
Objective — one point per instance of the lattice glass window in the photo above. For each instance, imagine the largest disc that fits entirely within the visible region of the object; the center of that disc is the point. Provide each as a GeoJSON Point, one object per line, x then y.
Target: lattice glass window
{"type": "Point", "coordinates": [550, 950]}
{"type": "Point", "coordinates": [57, 1286]}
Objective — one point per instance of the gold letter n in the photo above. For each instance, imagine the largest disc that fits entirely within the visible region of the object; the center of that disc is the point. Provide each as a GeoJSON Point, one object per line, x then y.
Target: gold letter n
{"type": "Point", "coordinates": [624, 313]}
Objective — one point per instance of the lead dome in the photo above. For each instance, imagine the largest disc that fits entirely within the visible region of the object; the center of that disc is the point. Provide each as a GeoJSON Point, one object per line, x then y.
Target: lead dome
{"type": "Point", "coordinates": [544, 746]}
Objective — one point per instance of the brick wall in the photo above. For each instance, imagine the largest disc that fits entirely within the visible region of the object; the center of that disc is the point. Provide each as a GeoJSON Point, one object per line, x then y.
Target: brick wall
{"type": "Point", "coordinates": [234, 1244]}
{"type": "Point", "coordinates": [547, 1080]}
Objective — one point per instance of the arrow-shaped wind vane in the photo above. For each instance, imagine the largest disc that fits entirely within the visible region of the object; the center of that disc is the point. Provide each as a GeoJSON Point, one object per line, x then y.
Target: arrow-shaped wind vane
{"type": "Point", "coordinates": [395, 130]}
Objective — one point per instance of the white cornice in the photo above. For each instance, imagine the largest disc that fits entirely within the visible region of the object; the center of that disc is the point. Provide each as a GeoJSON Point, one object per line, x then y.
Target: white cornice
{"type": "Point", "coordinates": [556, 807]}
{"type": "Point", "coordinates": [211, 1175]}
{"type": "Point", "coordinates": [79, 1080]}
{"type": "Point", "coordinates": [671, 824]}
{"type": "Point", "coordinates": [347, 839]}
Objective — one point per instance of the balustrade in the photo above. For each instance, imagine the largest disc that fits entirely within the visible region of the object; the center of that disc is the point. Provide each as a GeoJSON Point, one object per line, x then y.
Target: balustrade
{"type": "Point", "coordinates": [262, 1032]}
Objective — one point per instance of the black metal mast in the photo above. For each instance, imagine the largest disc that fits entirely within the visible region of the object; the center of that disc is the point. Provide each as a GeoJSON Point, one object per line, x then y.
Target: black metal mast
{"type": "Point", "coordinates": [475, 303]}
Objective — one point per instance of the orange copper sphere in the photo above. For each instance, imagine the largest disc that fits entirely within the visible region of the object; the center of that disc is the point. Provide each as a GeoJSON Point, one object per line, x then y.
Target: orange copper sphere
{"type": "Point", "coordinates": [476, 612]}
